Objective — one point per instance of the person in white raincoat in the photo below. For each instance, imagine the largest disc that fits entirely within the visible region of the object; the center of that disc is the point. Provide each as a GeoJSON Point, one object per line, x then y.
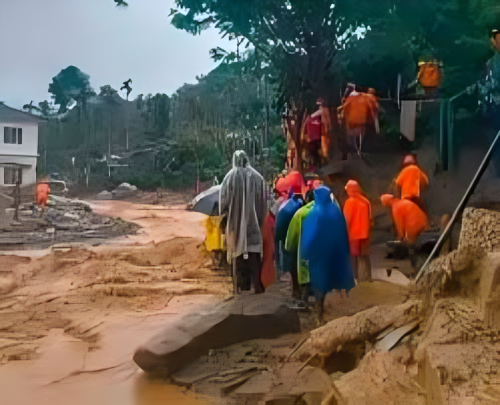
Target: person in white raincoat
{"type": "Point", "coordinates": [243, 199]}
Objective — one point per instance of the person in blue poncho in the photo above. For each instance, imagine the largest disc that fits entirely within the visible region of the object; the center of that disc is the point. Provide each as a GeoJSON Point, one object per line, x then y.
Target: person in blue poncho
{"type": "Point", "coordinates": [288, 260]}
{"type": "Point", "coordinates": [325, 247]}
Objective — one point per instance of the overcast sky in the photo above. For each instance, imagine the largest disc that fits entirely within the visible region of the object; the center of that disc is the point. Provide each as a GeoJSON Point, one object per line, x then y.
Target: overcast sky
{"type": "Point", "coordinates": [38, 38]}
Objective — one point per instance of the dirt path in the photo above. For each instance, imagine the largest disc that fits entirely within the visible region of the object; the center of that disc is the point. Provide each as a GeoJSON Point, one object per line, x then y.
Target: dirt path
{"type": "Point", "coordinates": [159, 223]}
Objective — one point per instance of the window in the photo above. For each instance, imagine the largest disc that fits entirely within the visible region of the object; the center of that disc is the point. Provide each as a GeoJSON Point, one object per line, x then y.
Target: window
{"type": "Point", "coordinates": [12, 174]}
{"type": "Point", "coordinates": [12, 135]}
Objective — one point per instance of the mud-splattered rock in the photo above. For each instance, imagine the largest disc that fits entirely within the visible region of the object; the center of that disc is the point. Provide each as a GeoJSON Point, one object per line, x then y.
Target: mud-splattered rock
{"type": "Point", "coordinates": [243, 318]}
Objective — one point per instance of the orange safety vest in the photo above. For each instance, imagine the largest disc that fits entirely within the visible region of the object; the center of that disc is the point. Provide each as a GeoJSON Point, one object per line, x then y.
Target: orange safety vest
{"type": "Point", "coordinates": [358, 110]}
{"type": "Point", "coordinates": [411, 180]}
{"type": "Point", "coordinates": [357, 215]}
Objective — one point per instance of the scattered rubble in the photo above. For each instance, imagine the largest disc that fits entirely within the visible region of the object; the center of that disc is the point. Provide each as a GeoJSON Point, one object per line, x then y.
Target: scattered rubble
{"type": "Point", "coordinates": [65, 220]}
{"type": "Point", "coordinates": [480, 229]}
{"type": "Point", "coordinates": [123, 191]}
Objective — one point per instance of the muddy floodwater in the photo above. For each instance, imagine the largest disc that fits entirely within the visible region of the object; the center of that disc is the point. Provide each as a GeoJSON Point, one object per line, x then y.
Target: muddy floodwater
{"type": "Point", "coordinates": [71, 318]}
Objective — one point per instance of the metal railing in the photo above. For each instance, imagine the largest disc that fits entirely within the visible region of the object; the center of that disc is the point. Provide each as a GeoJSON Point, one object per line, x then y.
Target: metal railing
{"type": "Point", "coordinates": [461, 206]}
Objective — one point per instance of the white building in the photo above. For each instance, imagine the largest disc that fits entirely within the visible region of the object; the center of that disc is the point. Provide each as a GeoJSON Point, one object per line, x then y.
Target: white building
{"type": "Point", "coordinates": [18, 146]}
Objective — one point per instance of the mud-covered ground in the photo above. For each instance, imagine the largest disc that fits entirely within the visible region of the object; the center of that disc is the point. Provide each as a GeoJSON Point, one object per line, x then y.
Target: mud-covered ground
{"type": "Point", "coordinates": [73, 315]}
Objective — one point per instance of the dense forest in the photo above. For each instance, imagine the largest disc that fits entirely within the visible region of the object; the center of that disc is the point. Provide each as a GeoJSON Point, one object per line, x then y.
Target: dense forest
{"type": "Point", "coordinates": [160, 140]}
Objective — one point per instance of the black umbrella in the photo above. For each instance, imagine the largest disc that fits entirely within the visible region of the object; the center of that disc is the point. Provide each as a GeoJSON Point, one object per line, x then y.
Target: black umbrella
{"type": "Point", "coordinates": [207, 201]}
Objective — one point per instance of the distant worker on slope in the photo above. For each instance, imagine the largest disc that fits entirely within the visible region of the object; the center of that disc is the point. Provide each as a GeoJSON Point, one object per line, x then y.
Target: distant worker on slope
{"type": "Point", "coordinates": [411, 181]}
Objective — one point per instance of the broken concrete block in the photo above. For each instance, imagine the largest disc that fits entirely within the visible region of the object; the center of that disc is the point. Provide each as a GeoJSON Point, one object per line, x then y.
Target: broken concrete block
{"type": "Point", "coordinates": [71, 215]}
{"type": "Point", "coordinates": [104, 195]}
{"type": "Point", "coordinates": [243, 318]}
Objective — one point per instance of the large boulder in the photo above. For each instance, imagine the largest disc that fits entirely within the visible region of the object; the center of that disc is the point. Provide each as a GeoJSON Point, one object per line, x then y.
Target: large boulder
{"type": "Point", "coordinates": [246, 317]}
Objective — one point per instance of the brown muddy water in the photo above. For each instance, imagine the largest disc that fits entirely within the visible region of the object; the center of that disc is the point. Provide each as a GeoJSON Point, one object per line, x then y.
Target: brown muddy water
{"type": "Point", "coordinates": [138, 391]}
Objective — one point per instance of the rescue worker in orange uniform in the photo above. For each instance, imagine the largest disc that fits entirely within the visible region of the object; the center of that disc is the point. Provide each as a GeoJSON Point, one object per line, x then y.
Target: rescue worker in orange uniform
{"type": "Point", "coordinates": [359, 109]}
{"type": "Point", "coordinates": [358, 216]}
{"type": "Point", "coordinates": [42, 194]}
{"type": "Point", "coordinates": [409, 219]}
{"type": "Point", "coordinates": [412, 181]}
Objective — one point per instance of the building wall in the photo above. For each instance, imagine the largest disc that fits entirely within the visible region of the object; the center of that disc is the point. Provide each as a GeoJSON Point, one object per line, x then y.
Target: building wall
{"type": "Point", "coordinates": [30, 140]}
{"type": "Point", "coordinates": [28, 167]}
{"type": "Point", "coordinates": [24, 154]}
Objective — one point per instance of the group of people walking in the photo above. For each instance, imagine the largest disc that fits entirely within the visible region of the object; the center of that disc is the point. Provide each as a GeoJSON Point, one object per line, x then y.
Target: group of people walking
{"type": "Point", "coordinates": [303, 230]}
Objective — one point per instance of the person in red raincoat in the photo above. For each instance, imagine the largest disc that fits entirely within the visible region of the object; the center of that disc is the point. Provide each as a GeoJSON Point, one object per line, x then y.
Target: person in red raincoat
{"type": "Point", "coordinates": [358, 216]}
{"type": "Point", "coordinates": [267, 272]}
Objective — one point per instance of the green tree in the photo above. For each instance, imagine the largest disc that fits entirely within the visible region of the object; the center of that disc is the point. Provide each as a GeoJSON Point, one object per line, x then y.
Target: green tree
{"type": "Point", "coordinates": [44, 108]}
{"type": "Point", "coordinates": [107, 91]}
{"type": "Point", "coordinates": [70, 84]}
{"type": "Point", "coordinates": [452, 31]}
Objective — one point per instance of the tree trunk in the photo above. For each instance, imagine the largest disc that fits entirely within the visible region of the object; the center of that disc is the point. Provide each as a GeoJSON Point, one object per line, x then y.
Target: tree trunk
{"type": "Point", "coordinates": [357, 328]}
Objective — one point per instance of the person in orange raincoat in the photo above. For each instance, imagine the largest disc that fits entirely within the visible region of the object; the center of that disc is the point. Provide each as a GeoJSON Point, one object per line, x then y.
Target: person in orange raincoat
{"type": "Point", "coordinates": [358, 110]}
{"type": "Point", "coordinates": [409, 219]}
{"type": "Point", "coordinates": [282, 188]}
{"type": "Point", "coordinates": [358, 216]}
{"type": "Point", "coordinates": [42, 194]}
{"type": "Point", "coordinates": [296, 182]}
{"type": "Point", "coordinates": [412, 181]}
